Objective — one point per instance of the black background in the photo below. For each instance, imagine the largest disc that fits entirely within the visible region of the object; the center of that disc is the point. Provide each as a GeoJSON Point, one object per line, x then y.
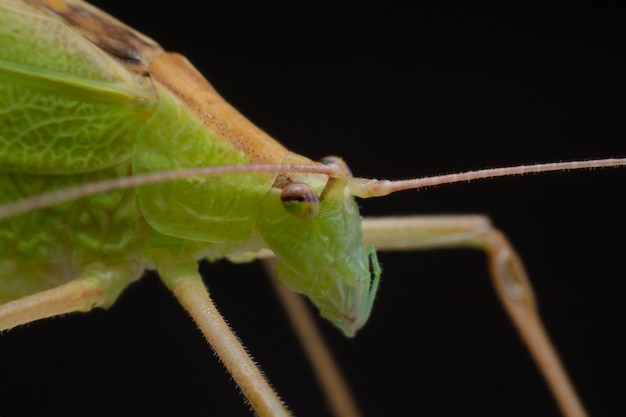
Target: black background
{"type": "Point", "coordinates": [398, 92]}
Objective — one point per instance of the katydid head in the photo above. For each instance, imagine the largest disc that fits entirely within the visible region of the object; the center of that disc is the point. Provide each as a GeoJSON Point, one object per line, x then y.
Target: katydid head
{"type": "Point", "coordinates": [320, 248]}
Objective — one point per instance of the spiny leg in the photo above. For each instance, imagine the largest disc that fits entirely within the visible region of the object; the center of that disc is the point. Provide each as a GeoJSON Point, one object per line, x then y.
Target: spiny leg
{"type": "Point", "coordinates": [183, 279]}
{"type": "Point", "coordinates": [507, 272]}
{"type": "Point", "coordinates": [329, 377]}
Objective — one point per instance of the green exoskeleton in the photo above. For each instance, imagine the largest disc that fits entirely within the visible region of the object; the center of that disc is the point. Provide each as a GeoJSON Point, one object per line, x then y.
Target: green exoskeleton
{"type": "Point", "coordinates": [86, 99]}
{"type": "Point", "coordinates": [148, 116]}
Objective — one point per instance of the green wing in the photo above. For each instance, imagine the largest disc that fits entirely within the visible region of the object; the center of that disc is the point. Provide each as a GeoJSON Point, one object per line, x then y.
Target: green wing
{"type": "Point", "coordinates": [68, 109]}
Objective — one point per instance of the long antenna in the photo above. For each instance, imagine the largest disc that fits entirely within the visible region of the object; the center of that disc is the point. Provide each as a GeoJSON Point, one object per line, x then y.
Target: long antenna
{"type": "Point", "coordinates": [366, 188]}
{"type": "Point", "coordinates": [360, 187]}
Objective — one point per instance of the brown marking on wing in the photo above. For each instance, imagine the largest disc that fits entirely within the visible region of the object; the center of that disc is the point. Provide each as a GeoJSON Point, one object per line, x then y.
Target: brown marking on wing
{"type": "Point", "coordinates": [108, 33]}
{"type": "Point", "coordinates": [144, 56]}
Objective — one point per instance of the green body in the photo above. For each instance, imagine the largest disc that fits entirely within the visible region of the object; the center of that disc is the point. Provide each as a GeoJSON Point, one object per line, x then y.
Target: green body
{"type": "Point", "coordinates": [71, 113]}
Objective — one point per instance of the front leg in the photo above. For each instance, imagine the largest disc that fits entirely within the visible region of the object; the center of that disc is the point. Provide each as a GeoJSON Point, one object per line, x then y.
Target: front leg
{"type": "Point", "coordinates": [507, 272]}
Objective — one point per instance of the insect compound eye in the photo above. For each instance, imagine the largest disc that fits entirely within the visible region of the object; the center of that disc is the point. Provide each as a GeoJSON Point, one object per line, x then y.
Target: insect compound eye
{"type": "Point", "coordinates": [301, 200]}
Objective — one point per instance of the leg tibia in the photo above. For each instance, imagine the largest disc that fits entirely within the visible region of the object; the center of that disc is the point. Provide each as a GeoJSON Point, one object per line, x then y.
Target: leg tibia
{"type": "Point", "coordinates": [183, 279]}
{"type": "Point", "coordinates": [507, 272]}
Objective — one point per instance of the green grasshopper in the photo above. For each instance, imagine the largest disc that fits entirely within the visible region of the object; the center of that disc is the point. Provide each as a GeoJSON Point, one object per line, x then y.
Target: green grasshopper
{"type": "Point", "coordinates": [408, 207]}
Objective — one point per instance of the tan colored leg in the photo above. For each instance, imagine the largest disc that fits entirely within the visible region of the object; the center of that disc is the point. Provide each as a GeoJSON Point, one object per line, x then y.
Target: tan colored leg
{"type": "Point", "coordinates": [77, 295]}
{"type": "Point", "coordinates": [327, 372]}
{"type": "Point", "coordinates": [183, 279]}
{"type": "Point", "coordinates": [507, 272]}
{"type": "Point", "coordinates": [99, 286]}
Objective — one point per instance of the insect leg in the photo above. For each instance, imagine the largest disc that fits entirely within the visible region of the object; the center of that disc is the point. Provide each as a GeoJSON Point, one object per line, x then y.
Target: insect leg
{"type": "Point", "coordinates": [507, 272]}
{"type": "Point", "coordinates": [96, 288]}
{"type": "Point", "coordinates": [183, 279]}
